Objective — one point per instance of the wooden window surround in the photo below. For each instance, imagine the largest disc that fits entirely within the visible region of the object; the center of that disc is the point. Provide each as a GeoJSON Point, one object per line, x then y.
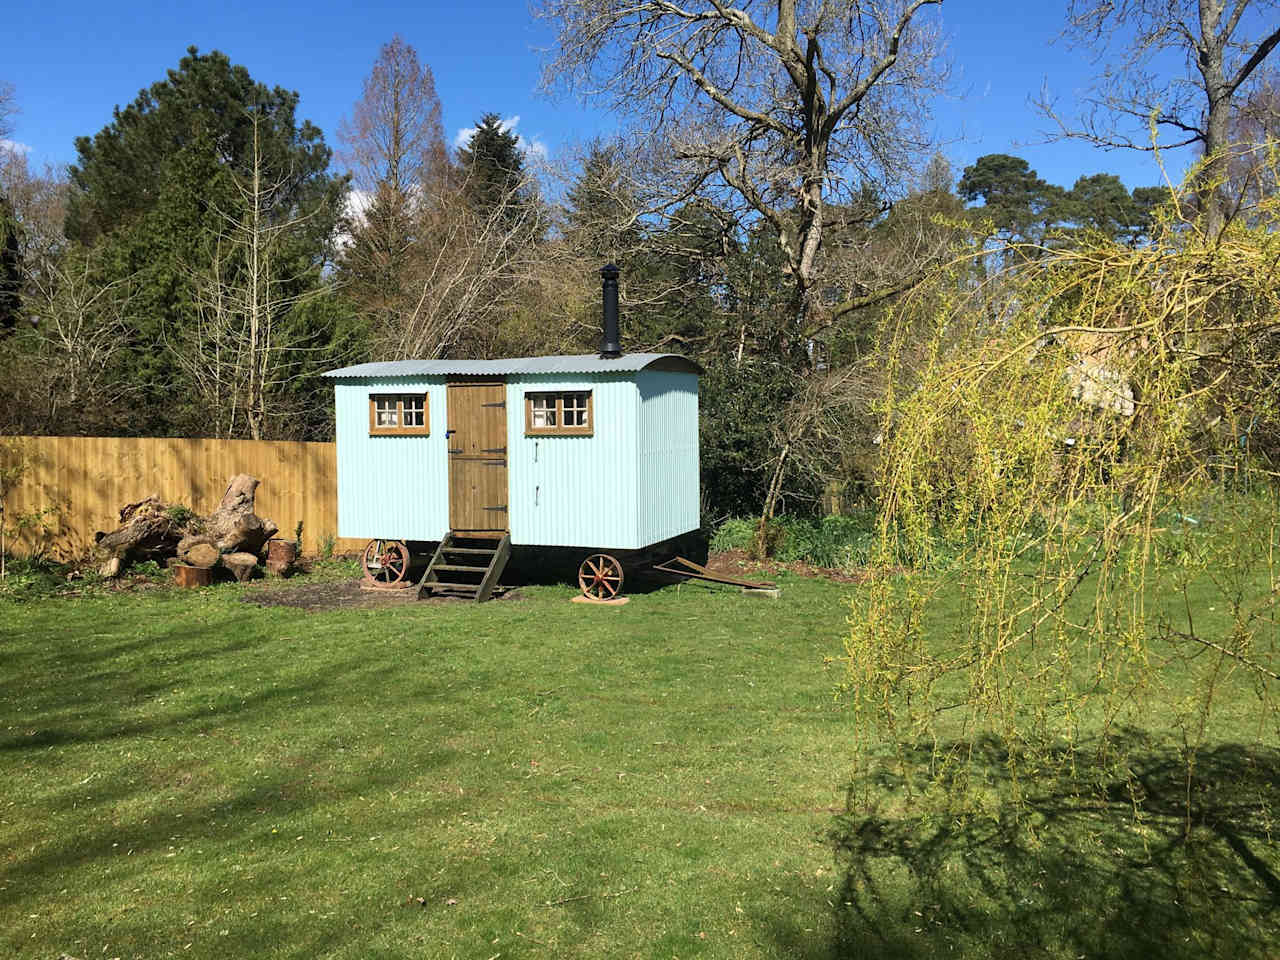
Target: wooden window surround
{"type": "Point", "coordinates": [399, 415]}
{"type": "Point", "coordinates": [566, 413]}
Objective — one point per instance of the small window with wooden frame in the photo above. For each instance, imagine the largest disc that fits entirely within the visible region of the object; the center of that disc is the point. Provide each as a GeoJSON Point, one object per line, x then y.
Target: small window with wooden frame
{"type": "Point", "coordinates": [561, 414]}
{"type": "Point", "coordinates": [399, 415]}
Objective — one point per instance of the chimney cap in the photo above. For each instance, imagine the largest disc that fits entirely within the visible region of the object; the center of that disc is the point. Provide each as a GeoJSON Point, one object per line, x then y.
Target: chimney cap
{"type": "Point", "coordinates": [609, 271]}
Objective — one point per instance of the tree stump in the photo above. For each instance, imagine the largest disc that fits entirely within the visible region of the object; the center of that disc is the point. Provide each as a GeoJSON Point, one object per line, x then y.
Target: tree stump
{"type": "Point", "coordinates": [185, 576]}
{"type": "Point", "coordinates": [240, 564]}
{"type": "Point", "coordinates": [281, 555]}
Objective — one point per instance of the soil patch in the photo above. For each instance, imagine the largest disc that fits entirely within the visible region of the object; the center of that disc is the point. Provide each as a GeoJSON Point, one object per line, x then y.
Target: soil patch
{"type": "Point", "coordinates": [343, 595]}
{"type": "Point", "coordinates": [736, 563]}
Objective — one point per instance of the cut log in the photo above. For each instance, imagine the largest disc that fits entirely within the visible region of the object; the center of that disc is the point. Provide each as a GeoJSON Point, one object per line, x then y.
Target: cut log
{"type": "Point", "coordinates": [111, 569]}
{"type": "Point", "coordinates": [240, 564]}
{"type": "Point", "coordinates": [190, 540]}
{"type": "Point", "coordinates": [201, 555]}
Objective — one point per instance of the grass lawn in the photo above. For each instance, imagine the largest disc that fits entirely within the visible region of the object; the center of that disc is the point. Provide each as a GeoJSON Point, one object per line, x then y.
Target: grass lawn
{"type": "Point", "coordinates": [185, 774]}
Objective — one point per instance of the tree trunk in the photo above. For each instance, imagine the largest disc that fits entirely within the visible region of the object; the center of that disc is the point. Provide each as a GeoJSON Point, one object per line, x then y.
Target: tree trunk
{"type": "Point", "coordinates": [760, 546]}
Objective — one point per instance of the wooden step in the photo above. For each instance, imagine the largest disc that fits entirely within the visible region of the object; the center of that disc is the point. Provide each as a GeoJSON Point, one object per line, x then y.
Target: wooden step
{"type": "Point", "coordinates": [495, 560]}
{"type": "Point", "coordinates": [469, 588]}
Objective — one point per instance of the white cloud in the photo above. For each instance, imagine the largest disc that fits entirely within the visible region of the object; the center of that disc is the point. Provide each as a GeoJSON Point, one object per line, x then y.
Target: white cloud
{"type": "Point", "coordinates": [532, 146]}
{"type": "Point", "coordinates": [13, 146]}
{"type": "Point", "coordinates": [357, 203]}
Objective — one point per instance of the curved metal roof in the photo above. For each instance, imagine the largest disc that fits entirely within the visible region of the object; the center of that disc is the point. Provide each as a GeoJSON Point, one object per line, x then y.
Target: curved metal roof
{"type": "Point", "coordinates": [588, 363]}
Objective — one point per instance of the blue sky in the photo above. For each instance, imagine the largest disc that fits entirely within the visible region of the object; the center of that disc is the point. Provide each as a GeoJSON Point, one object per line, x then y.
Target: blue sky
{"type": "Point", "coordinates": [72, 61]}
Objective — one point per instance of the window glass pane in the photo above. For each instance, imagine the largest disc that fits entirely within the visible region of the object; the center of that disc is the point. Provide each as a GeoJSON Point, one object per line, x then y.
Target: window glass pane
{"type": "Point", "coordinates": [386, 412]}
{"type": "Point", "coordinates": [414, 411]}
{"type": "Point", "coordinates": [575, 409]}
{"type": "Point", "coordinates": [544, 410]}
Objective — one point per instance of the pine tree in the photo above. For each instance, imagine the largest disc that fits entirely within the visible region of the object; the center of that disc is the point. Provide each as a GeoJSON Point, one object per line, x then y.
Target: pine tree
{"type": "Point", "coordinates": [493, 167]}
{"type": "Point", "coordinates": [10, 268]}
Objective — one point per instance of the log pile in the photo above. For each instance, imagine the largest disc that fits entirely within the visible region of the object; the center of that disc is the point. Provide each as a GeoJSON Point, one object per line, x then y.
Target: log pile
{"type": "Point", "coordinates": [232, 537]}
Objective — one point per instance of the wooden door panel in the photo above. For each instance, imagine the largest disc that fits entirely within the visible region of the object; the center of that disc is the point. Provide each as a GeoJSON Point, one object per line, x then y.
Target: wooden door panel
{"type": "Point", "coordinates": [477, 456]}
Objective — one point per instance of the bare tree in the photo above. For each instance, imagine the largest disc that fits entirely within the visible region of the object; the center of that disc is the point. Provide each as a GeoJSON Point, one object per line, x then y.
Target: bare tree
{"type": "Point", "coordinates": [79, 329]}
{"type": "Point", "coordinates": [780, 111]}
{"type": "Point", "coordinates": [237, 351]}
{"type": "Point", "coordinates": [465, 270]}
{"type": "Point", "coordinates": [1255, 133]}
{"type": "Point", "coordinates": [8, 107]}
{"type": "Point", "coordinates": [394, 144]}
{"type": "Point", "coordinates": [1222, 42]}
{"type": "Point", "coordinates": [39, 202]}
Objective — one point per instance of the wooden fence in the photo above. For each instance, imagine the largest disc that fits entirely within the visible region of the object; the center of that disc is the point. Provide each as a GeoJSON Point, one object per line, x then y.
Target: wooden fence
{"type": "Point", "coordinates": [85, 481]}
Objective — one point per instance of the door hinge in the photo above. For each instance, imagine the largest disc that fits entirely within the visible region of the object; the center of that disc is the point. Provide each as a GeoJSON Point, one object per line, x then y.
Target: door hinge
{"type": "Point", "coordinates": [459, 450]}
{"type": "Point", "coordinates": [495, 463]}
{"type": "Point", "coordinates": [497, 403]}
{"type": "Point", "coordinates": [501, 450]}
{"type": "Point", "coordinates": [501, 509]}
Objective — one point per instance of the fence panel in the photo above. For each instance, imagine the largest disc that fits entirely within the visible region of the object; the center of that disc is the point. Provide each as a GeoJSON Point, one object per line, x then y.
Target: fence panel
{"type": "Point", "coordinates": [84, 481]}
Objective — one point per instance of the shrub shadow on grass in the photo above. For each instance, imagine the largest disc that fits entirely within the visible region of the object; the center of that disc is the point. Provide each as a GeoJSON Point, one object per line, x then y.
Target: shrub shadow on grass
{"type": "Point", "coordinates": [209, 796]}
{"type": "Point", "coordinates": [1095, 864]}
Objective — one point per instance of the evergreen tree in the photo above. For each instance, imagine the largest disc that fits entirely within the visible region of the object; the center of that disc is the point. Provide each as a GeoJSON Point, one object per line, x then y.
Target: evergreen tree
{"type": "Point", "coordinates": [1018, 202]}
{"type": "Point", "coordinates": [600, 209]}
{"type": "Point", "coordinates": [10, 268]}
{"type": "Point", "coordinates": [493, 167]}
{"type": "Point", "coordinates": [158, 181]}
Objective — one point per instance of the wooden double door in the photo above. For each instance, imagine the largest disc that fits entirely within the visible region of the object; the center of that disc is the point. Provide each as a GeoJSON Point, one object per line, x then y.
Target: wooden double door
{"type": "Point", "coordinates": [477, 441]}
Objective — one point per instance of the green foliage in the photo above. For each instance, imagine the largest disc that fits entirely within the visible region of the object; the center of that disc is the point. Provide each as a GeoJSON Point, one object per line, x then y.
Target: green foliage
{"type": "Point", "coordinates": [493, 168]}
{"type": "Point", "coordinates": [327, 543]}
{"type": "Point", "coordinates": [1021, 205]}
{"type": "Point", "coordinates": [28, 579]}
{"type": "Point", "coordinates": [1018, 202]}
{"type": "Point", "coordinates": [839, 542]}
{"type": "Point", "coordinates": [1057, 456]}
{"type": "Point", "coordinates": [11, 268]}
{"type": "Point", "coordinates": [599, 207]}
{"type": "Point", "coordinates": [736, 533]}
{"type": "Point", "coordinates": [180, 515]}
{"type": "Point", "coordinates": [158, 182]}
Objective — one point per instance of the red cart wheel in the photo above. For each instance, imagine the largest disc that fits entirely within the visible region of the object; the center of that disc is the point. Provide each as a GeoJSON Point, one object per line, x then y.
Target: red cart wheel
{"type": "Point", "coordinates": [385, 562]}
{"type": "Point", "coordinates": [600, 577]}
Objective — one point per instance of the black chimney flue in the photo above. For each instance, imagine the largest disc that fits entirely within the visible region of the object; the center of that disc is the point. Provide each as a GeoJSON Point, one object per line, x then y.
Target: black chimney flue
{"type": "Point", "coordinates": [611, 341]}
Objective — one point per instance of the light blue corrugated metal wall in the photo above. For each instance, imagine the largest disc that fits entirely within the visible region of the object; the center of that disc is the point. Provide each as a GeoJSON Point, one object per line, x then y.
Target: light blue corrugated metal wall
{"type": "Point", "coordinates": [633, 483]}
{"type": "Point", "coordinates": [667, 461]}
{"type": "Point", "coordinates": [575, 491]}
{"type": "Point", "coordinates": [395, 487]}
